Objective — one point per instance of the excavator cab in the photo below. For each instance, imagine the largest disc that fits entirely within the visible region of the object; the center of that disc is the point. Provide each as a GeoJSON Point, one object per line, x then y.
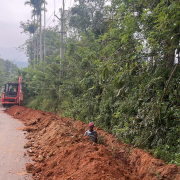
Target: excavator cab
{"type": "Point", "coordinates": [12, 93]}
{"type": "Point", "coordinates": [11, 89]}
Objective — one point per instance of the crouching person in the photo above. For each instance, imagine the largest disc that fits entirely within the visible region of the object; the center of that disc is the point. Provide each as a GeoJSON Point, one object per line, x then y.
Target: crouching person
{"type": "Point", "coordinates": [91, 133]}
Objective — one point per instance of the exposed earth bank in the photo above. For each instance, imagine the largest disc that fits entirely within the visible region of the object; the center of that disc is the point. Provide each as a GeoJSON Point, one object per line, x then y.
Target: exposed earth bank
{"type": "Point", "coordinates": [60, 151]}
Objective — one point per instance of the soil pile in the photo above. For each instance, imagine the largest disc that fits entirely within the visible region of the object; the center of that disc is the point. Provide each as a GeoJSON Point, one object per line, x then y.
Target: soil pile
{"type": "Point", "coordinates": [60, 151]}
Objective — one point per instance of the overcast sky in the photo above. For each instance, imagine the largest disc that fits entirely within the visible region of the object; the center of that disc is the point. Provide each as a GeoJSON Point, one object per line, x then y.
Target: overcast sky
{"type": "Point", "coordinates": [12, 12]}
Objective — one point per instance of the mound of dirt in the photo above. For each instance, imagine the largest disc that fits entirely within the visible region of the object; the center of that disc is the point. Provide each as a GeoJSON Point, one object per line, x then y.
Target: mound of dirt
{"type": "Point", "coordinates": [60, 151]}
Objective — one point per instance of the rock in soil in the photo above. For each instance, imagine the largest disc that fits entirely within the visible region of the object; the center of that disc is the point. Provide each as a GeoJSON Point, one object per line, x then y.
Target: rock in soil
{"type": "Point", "coordinates": [29, 167]}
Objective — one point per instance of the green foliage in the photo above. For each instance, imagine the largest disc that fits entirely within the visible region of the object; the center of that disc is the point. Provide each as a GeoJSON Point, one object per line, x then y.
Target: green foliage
{"type": "Point", "coordinates": [31, 45]}
{"type": "Point", "coordinates": [115, 73]}
{"type": "Point", "coordinates": [89, 16]}
{"type": "Point", "coordinates": [100, 139]}
{"type": "Point", "coordinates": [28, 27]}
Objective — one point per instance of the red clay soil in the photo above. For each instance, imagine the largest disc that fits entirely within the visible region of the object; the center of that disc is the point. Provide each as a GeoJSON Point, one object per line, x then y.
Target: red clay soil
{"type": "Point", "coordinates": [60, 152]}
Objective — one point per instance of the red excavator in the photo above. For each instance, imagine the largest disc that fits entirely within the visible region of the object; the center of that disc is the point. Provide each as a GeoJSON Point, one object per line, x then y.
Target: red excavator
{"type": "Point", "coordinates": [12, 94]}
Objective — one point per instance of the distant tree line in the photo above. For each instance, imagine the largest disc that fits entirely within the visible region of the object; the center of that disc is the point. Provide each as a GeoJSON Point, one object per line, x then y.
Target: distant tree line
{"type": "Point", "coordinates": [8, 71]}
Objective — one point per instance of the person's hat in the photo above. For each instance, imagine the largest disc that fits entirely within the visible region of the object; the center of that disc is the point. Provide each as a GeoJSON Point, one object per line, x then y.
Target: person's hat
{"type": "Point", "coordinates": [91, 124]}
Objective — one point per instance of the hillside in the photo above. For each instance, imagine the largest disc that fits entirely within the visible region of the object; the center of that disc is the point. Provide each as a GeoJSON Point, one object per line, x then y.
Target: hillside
{"type": "Point", "coordinates": [14, 56]}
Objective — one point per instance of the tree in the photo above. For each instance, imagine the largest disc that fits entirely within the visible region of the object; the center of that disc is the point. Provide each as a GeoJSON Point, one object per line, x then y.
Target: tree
{"type": "Point", "coordinates": [88, 15]}
{"type": "Point", "coordinates": [37, 8]}
{"type": "Point", "coordinates": [51, 42]}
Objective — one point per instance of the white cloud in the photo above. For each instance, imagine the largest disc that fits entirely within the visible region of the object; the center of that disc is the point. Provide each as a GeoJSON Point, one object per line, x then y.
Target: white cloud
{"type": "Point", "coordinates": [12, 12]}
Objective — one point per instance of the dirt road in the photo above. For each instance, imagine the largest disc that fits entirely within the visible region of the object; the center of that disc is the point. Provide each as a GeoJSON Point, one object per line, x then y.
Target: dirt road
{"type": "Point", "coordinates": [13, 157]}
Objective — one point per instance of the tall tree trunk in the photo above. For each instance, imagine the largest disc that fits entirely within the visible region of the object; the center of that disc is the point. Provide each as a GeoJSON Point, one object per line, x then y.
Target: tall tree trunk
{"type": "Point", "coordinates": [40, 34]}
{"type": "Point", "coordinates": [44, 31]}
{"type": "Point", "coordinates": [169, 55]}
{"type": "Point", "coordinates": [37, 42]}
{"type": "Point", "coordinates": [34, 48]}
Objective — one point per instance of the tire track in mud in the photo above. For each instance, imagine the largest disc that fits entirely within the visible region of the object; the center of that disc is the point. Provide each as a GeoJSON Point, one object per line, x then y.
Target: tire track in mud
{"type": "Point", "coordinates": [60, 151]}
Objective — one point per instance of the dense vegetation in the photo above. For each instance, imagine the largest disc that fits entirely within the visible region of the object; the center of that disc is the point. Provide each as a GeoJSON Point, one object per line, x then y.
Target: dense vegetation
{"type": "Point", "coordinates": [120, 70]}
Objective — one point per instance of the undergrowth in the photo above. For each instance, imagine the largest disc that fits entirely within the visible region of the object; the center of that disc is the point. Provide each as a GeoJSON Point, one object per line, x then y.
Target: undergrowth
{"type": "Point", "coordinates": [132, 115]}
